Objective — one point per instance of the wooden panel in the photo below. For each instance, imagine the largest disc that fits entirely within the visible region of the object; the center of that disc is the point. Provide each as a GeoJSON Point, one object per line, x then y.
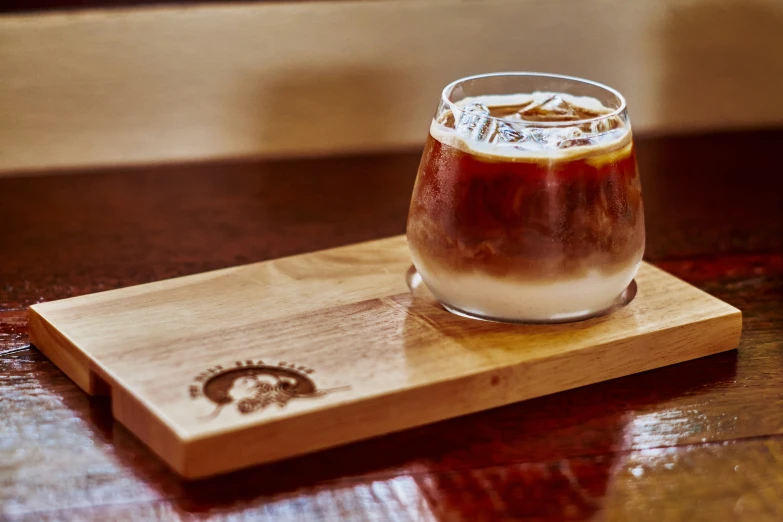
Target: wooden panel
{"type": "Point", "coordinates": [312, 78]}
{"type": "Point", "coordinates": [392, 360]}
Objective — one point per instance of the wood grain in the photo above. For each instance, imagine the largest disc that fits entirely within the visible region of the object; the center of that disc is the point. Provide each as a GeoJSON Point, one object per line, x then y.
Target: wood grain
{"type": "Point", "coordinates": [402, 361]}
{"type": "Point", "coordinates": [714, 219]}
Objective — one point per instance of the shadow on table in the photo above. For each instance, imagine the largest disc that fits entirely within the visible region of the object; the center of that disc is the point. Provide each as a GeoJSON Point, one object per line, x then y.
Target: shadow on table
{"type": "Point", "coordinates": [551, 456]}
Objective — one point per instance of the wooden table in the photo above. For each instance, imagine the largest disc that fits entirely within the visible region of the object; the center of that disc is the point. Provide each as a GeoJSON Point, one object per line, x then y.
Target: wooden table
{"type": "Point", "coordinates": [698, 441]}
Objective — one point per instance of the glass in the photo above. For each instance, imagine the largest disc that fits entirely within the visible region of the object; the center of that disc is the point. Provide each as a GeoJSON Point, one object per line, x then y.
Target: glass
{"type": "Point", "coordinates": [527, 205]}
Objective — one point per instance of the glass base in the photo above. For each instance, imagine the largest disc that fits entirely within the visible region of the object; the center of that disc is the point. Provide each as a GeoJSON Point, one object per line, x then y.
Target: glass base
{"type": "Point", "coordinates": [623, 299]}
{"type": "Point", "coordinates": [419, 288]}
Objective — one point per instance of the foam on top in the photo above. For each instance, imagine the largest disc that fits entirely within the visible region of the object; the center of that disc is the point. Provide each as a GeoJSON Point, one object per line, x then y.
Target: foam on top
{"type": "Point", "coordinates": [535, 112]}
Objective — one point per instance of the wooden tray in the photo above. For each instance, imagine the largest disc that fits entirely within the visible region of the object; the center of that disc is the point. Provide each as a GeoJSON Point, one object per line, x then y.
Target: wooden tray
{"type": "Point", "coordinates": [236, 367]}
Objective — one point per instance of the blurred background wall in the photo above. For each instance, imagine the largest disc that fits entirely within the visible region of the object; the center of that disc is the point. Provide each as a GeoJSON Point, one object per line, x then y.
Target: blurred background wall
{"type": "Point", "coordinates": [173, 83]}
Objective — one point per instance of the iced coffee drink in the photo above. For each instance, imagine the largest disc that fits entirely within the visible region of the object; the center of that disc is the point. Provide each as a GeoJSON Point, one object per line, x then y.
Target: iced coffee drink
{"type": "Point", "coordinates": [528, 205]}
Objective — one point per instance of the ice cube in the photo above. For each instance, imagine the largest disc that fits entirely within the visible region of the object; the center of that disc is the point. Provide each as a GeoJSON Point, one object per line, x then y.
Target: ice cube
{"type": "Point", "coordinates": [539, 135]}
{"type": "Point", "coordinates": [600, 126]}
{"type": "Point", "coordinates": [558, 138]}
{"type": "Point", "coordinates": [605, 125]}
{"type": "Point", "coordinates": [569, 137]}
{"type": "Point", "coordinates": [476, 123]}
{"type": "Point", "coordinates": [508, 133]}
{"type": "Point", "coordinates": [476, 108]}
{"type": "Point", "coordinates": [548, 107]}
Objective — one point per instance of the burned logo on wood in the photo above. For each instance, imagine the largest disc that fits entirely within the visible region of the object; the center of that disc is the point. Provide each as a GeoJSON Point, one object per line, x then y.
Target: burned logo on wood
{"type": "Point", "coordinates": [254, 385]}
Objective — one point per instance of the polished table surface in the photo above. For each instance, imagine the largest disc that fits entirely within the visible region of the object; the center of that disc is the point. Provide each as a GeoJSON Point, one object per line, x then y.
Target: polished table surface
{"type": "Point", "coordinates": [702, 440]}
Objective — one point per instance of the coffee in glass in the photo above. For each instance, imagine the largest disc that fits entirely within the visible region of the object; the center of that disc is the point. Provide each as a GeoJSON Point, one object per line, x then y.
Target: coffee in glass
{"type": "Point", "coordinates": [527, 205]}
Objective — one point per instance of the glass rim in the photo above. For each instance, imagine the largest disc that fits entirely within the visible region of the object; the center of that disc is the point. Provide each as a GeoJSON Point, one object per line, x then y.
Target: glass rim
{"type": "Point", "coordinates": [615, 112]}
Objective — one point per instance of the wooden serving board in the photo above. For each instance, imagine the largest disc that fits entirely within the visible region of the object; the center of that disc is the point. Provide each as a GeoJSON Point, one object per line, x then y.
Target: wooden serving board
{"type": "Point", "coordinates": [236, 367]}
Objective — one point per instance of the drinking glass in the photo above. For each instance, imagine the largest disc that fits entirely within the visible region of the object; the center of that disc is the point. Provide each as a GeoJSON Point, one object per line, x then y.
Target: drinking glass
{"type": "Point", "coordinates": [527, 205]}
